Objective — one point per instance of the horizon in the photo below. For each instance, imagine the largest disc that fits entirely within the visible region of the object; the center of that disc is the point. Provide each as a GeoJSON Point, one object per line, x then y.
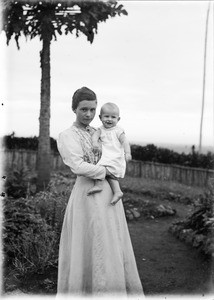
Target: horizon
{"type": "Point", "coordinates": [177, 147]}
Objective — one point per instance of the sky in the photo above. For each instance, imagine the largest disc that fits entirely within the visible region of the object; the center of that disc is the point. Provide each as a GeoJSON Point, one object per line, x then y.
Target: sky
{"type": "Point", "coordinates": [150, 63]}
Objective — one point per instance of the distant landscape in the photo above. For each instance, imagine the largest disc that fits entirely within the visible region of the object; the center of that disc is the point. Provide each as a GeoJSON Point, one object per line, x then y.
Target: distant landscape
{"type": "Point", "coordinates": [179, 147]}
{"type": "Point", "coordinates": [187, 156]}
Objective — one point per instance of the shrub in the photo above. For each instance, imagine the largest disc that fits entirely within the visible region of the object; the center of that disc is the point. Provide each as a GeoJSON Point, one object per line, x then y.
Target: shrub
{"type": "Point", "coordinates": [52, 202]}
{"type": "Point", "coordinates": [29, 243]}
{"type": "Point", "coordinates": [31, 143]}
{"type": "Point", "coordinates": [32, 226]}
{"type": "Point", "coordinates": [20, 183]}
{"type": "Point", "coordinates": [166, 156]}
{"type": "Point", "coordinates": [198, 228]}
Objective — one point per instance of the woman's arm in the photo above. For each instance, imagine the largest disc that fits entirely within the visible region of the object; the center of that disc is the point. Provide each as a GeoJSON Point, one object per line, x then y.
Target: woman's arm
{"type": "Point", "coordinates": [72, 155]}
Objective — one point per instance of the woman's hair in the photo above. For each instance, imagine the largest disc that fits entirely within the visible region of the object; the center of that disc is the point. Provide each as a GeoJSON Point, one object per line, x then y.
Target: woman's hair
{"type": "Point", "coordinates": [81, 94]}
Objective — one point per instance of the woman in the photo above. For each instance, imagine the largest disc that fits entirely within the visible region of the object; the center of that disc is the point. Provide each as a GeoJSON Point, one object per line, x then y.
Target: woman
{"type": "Point", "coordinates": [95, 254]}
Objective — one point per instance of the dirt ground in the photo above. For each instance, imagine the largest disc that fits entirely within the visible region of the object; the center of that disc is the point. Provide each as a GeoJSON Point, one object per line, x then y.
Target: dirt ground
{"type": "Point", "coordinates": [166, 265]}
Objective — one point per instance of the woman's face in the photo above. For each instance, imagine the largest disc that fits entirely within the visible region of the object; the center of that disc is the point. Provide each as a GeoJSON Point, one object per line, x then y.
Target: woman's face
{"type": "Point", "coordinates": [85, 112]}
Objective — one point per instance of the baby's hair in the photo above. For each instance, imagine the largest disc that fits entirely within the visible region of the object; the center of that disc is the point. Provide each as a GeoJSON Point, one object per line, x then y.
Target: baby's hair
{"type": "Point", "coordinates": [109, 105]}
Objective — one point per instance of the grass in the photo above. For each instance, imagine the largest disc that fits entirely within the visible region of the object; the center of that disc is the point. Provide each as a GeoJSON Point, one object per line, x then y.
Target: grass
{"type": "Point", "coordinates": [157, 187]}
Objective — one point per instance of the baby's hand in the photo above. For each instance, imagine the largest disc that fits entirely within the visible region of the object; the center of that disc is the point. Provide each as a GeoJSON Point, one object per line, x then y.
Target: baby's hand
{"type": "Point", "coordinates": [128, 157]}
{"type": "Point", "coordinates": [96, 148]}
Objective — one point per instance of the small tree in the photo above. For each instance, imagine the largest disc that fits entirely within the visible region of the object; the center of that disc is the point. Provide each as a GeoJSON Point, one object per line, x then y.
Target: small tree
{"type": "Point", "coordinates": [45, 19]}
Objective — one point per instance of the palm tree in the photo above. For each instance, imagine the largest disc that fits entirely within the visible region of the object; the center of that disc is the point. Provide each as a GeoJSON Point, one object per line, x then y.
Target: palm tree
{"type": "Point", "coordinates": [45, 19]}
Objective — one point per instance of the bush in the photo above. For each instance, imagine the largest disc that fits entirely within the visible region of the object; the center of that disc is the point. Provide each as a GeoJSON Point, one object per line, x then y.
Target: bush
{"type": "Point", "coordinates": [20, 183]}
{"type": "Point", "coordinates": [30, 143]}
{"type": "Point", "coordinates": [198, 228]}
{"type": "Point", "coordinates": [51, 206]}
{"type": "Point", "coordinates": [29, 243]}
{"type": "Point", "coordinates": [163, 155]}
{"type": "Point", "coordinates": [32, 227]}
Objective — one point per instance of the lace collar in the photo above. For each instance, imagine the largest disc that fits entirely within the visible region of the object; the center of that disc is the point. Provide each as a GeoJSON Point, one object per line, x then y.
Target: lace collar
{"type": "Point", "coordinates": [87, 128]}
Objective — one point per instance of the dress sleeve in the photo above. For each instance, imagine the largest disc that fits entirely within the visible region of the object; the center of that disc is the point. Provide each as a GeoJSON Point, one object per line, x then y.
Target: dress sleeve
{"type": "Point", "coordinates": [119, 131]}
{"type": "Point", "coordinates": [71, 152]}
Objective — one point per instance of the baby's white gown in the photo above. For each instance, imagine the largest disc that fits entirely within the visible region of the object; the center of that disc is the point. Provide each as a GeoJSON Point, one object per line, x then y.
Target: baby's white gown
{"type": "Point", "coordinates": [95, 254]}
{"type": "Point", "coordinates": [112, 151]}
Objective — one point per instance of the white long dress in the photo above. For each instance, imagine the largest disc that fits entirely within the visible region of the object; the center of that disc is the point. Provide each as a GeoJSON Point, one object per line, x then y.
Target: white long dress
{"type": "Point", "coordinates": [95, 255]}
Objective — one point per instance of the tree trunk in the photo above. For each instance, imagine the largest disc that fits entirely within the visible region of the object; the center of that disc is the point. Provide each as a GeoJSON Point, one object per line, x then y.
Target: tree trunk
{"type": "Point", "coordinates": [43, 157]}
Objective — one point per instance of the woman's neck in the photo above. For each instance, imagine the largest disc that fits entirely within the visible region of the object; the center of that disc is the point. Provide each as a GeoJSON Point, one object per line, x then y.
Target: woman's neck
{"type": "Point", "coordinates": [80, 125]}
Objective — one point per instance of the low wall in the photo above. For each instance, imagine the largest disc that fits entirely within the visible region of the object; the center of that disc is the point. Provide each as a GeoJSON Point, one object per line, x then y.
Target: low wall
{"type": "Point", "coordinates": [186, 175]}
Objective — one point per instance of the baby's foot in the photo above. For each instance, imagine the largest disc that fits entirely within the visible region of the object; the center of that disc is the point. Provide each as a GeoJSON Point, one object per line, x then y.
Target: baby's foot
{"type": "Point", "coordinates": [117, 196]}
{"type": "Point", "coordinates": [93, 190]}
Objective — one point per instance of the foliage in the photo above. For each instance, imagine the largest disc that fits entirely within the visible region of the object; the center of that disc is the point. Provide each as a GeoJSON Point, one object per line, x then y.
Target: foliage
{"type": "Point", "coordinates": [167, 156]}
{"type": "Point", "coordinates": [52, 202]}
{"type": "Point", "coordinates": [198, 227]}
{"type": "Point", "coordinates": [199, 219]}
{"type": "Point", "coordinates": [20, 183]}
{"type": "Point", "coordinates": [29, 243]}
{"type": "Point", "coordinates": [46, 19]}
{"type": "Point", "coordinates": [32, 226]}
{"type": "Point", "coordinates": [30, 143]}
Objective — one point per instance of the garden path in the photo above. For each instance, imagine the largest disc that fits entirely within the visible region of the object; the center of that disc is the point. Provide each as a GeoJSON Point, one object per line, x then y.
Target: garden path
{"type": "Point", "coordinates": [167, 266]}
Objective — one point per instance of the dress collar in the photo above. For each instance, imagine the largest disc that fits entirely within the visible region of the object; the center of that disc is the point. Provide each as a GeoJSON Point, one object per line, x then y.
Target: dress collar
{"type": "Point", "coordinates": [108, 129]}
{"type": "Point", "coordinates": [87, 128]}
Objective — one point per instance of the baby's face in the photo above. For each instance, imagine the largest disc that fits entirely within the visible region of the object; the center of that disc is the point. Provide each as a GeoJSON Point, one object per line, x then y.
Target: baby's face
{"type": "Point", "coordinates": [109, 117]}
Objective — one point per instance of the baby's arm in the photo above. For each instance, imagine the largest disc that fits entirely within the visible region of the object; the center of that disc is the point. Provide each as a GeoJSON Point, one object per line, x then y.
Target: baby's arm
{"type": "Point", "coordinates": [70, 149]}
{"type": "Point", "coordinates": [125, 143]}
{"type": "Point", "coordinates": [95, 140]}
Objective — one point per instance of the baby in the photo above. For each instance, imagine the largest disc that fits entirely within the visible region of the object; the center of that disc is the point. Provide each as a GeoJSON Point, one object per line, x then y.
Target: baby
{"type": "Point", "coordinates": [115, 149]}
